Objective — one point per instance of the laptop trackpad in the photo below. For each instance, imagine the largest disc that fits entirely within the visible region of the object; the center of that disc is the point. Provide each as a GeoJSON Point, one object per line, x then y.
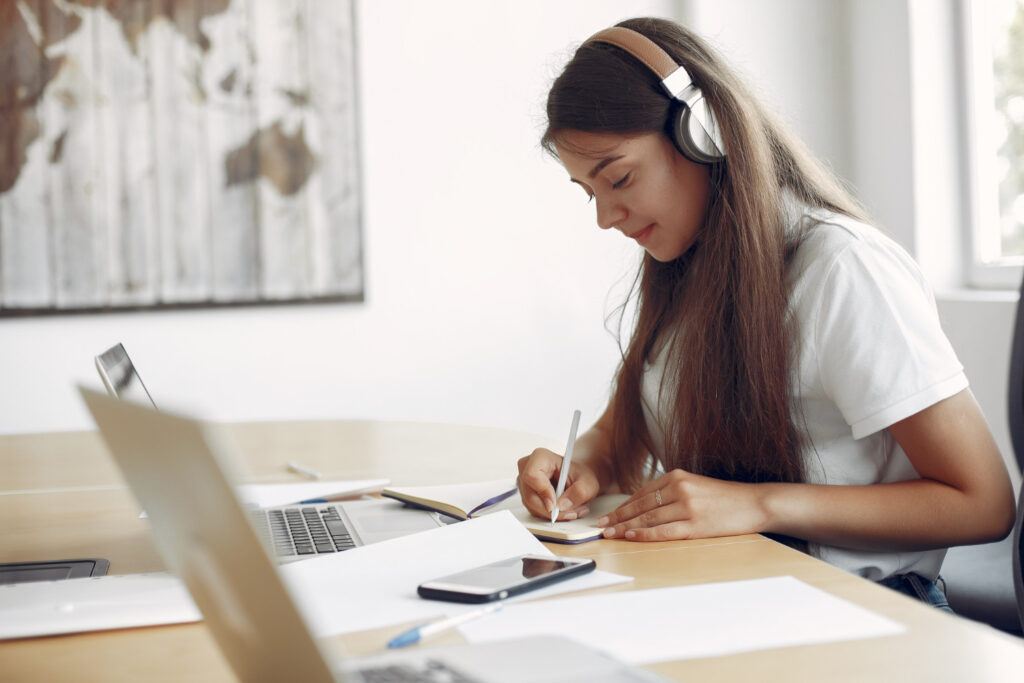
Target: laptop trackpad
{"type": "Point", "coordinates": [379, 520]}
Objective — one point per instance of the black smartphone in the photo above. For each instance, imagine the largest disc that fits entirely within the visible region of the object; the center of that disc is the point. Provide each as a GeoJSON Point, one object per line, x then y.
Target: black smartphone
{"type": "Point", "coordinates": [499, 580]}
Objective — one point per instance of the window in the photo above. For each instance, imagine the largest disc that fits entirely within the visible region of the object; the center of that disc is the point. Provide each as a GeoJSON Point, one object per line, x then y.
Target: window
{"type": "Point", "coordinates": [994, 61]}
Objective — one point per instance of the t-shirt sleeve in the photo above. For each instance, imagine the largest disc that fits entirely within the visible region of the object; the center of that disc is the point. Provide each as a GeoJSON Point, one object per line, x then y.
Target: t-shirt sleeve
{"type": "Point", "coordinates": [881, 350]}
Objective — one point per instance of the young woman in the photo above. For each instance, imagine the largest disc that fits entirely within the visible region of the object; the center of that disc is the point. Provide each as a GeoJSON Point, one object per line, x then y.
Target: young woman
{"type": "Point", "coordinates": [787, 373]}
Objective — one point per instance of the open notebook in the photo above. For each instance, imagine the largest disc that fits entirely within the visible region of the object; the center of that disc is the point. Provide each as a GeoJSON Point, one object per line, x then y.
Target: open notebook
{"type": "Point", "coordinates": [464, 501]}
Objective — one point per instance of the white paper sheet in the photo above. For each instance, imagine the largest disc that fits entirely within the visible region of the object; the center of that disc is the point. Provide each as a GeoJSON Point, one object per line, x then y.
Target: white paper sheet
{"type": "Point", "coordinates": [96, 603]}
{"type": "Point", "coordinates": [692, 621]}
{"type": "Point", "coordinates": [375, 585]}
{"type": "Point", "coordinates": [268, 495]}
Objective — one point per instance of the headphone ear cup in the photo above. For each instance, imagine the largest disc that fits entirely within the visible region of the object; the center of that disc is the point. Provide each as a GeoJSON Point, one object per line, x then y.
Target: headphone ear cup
{"type": "Point", "coordinates": [695, 133]}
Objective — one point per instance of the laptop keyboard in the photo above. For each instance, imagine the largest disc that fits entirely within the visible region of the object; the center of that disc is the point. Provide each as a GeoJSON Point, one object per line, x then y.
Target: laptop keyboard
{"type": "Point", "coordinates": [430, 671]}
{"type": "Point", "coordinates": [304, 530]}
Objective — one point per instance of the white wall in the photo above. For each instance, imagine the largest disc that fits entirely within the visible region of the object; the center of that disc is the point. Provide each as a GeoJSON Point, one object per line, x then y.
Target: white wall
{"type": "Point", "coordinates": [486, 280]}
{"type": "Point", "coordinates": [795, 56]}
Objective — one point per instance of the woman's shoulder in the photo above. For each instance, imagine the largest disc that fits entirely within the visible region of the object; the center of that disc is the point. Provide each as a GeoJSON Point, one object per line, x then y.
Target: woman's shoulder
{"type": "Point", "coordinates": [824, 232]}
{"type": "Point", "coordinates": [833, 244]}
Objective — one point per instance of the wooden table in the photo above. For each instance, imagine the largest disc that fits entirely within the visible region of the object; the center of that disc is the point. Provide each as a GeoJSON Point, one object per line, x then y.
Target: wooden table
{"type": "Point", "coordinates": [61, 497]}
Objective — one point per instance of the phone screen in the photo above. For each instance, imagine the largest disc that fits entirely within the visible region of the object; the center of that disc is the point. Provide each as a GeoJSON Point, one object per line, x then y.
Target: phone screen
{"type": "Point", "coordinates": [501, 579]}
{"type": "Point", "coordinates": [508, 572]}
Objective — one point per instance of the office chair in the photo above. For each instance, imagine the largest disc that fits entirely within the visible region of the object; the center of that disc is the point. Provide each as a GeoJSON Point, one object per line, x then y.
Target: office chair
{"type": "Point", "coordinates": [1016, 421]}
{"type": "Point", "coordinates": [1018, 559]}
{"type": "Point", "coordinates": [983, 582]}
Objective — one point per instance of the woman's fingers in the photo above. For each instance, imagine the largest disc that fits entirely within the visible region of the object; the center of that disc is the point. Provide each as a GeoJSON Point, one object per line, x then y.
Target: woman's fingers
{"type": "Point", "coordinates": [652, 509]}
{"type": "Point", "coordinates": [534, 482]}
{"type": "Point", "coordinates": [673, 531]}
{"type": "Point", "coordinates": [538, 473]}
{"type": "Point", "coordinates": [682, 505]}
{"type": "Point", "coordinates": [653, 495]}
{"type": "Point", "coordinates": [581, 487]}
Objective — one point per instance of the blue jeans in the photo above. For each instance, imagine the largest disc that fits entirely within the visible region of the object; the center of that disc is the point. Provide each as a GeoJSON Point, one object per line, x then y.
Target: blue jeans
{"type": "Point", "coordinates": [916, 586]}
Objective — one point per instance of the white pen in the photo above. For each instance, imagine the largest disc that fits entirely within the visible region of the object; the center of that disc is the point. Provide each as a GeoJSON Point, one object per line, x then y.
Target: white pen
{"type": "Point", "coordinates": [414, 635]}
{"type": "Point", "coordinates": [566, 463]}
{"type": "Point", "coordinates": [304, 471]}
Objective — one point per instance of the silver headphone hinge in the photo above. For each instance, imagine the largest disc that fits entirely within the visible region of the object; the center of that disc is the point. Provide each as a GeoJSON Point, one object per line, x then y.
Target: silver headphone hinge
{"type": "Point", "coordinates": [676, 83]}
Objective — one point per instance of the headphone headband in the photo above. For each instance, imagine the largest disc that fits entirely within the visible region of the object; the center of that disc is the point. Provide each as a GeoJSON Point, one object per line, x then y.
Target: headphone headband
{"type": "Point", "coordinates": [695, 130]}
{"type": "Point", "coordinates": [640, 46]}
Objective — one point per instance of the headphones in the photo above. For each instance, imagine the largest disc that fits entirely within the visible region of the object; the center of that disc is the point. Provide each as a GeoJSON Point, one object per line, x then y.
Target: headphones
{"type": "Point", "coordinates": [693, 127]}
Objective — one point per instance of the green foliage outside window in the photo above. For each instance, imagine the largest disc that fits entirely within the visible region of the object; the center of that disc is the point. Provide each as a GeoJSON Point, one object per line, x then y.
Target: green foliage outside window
{"type": "Point", "coordinates": [1009, 95]}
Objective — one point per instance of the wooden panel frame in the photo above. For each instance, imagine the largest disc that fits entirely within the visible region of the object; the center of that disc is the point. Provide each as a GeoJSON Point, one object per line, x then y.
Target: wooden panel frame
{"type": "Point", "coordinates": [188, 153]}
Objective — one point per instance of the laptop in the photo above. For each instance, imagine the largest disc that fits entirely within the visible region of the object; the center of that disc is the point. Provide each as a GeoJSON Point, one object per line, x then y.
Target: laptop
{"type": "Point", "coordinates": [298, 531]}
{"type": "Point", "coordinates": [179, 470]}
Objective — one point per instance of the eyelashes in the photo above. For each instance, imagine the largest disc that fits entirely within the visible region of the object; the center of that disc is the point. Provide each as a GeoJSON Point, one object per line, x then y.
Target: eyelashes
{"type": "Point", "coordinates": [615, 186]}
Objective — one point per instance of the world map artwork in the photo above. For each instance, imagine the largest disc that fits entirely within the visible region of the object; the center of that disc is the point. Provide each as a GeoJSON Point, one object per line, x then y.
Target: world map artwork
{"type": "Point", "coordinates": [177, 152]}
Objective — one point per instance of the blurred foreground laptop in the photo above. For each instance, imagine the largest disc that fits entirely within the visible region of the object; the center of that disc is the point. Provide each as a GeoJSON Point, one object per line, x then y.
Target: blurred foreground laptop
{"type": "Point", "coordinates": [297, 531]}
{"type": "Point", "coordinates": [179, 470]}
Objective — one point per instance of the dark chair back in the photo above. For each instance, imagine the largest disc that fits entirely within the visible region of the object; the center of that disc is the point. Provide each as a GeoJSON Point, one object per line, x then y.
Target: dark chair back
{"type": "Point", "coordinates": [1016, 387]}
{"type": "Point", "coordinates": [1016, 417]}
{"type": "Point", "coordinates": [1018, 559]}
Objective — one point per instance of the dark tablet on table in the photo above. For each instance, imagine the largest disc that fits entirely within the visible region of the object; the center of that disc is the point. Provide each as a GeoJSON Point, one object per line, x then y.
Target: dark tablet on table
{"type": "Point", "coordinates": [24, 572]}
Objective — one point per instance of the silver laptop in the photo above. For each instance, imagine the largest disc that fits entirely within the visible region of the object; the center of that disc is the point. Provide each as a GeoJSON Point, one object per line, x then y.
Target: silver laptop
{"type": "Point", "coordinates": [179, 469]}
{"type": "Point", "coordinates": [299, 531]}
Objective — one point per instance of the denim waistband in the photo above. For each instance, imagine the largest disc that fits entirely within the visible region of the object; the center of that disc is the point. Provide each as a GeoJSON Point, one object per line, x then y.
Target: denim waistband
{"type": "Point", "coordinates": [916, 586]}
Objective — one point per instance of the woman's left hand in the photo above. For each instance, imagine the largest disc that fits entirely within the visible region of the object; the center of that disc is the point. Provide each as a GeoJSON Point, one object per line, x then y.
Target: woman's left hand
{"type": "Point", "coordinates": [679, 505]}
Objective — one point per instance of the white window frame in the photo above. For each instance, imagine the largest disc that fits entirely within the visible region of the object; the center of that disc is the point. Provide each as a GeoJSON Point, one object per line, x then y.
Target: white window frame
{"type": "Point", "coordinates": [981, 269]}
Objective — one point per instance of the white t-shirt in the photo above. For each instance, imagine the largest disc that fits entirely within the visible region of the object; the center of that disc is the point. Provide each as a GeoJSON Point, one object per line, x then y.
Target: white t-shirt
{"type": "Point", "coordinates": [871, 353]}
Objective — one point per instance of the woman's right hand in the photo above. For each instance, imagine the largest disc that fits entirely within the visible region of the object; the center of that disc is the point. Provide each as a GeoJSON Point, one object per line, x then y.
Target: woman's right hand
{"type": "Point", "coordinates": [538, 476]}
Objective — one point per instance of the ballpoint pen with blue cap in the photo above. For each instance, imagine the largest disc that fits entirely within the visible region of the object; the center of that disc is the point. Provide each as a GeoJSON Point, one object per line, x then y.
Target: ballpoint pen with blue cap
{"type": "Point", "coordinates": [566, 463]}
{"type": "Point", "coordinates": [418, 633]}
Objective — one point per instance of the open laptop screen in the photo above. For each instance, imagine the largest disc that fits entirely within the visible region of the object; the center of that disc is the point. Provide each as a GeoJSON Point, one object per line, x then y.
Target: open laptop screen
{"type": "Point", "coordinates": [119, 376]}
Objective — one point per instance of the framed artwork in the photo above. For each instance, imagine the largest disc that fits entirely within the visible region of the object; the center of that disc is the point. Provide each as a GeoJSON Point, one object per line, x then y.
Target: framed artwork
{"type": "Point", "coordinates": [176, 153]}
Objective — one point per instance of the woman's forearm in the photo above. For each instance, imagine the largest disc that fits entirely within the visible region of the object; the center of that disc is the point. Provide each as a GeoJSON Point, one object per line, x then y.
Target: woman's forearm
{"type": "Point", "coordinates": [964, 495]}
{"type": "Point", "coordinates": [908, 515]}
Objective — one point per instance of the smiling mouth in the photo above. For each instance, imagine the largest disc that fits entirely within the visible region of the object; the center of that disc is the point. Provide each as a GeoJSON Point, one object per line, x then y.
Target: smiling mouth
{"type": "Point", "coordinates": [641, 235]}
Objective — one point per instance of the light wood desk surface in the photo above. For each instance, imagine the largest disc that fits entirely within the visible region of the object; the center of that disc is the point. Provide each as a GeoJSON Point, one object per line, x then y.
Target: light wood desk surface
{"type": "Point", "coordinates": [61, 497]}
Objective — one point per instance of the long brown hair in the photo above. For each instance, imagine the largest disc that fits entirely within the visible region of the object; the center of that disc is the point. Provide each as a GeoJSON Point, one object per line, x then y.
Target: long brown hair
{"type": "Point", "coordinates": [720, 309]}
